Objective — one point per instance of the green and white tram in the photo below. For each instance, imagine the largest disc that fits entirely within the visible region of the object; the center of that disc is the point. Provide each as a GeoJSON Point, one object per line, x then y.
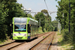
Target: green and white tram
{"type": "Point", "coordinates": [24, 28]}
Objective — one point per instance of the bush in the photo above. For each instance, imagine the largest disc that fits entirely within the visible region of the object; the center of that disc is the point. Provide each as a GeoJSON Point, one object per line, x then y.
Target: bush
{"type": "Point", "coordinates": [67, 37]}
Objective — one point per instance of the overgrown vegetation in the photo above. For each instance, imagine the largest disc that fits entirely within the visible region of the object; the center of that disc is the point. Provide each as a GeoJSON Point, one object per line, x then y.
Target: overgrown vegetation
{"type": "Point", "coordinates": [63, 17]}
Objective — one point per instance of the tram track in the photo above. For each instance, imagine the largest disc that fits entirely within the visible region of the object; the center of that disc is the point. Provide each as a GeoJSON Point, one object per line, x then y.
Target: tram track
{"type": "Point", "coordinates": [7, 44]}
{"type": "Point", "coordinates": [44, 44]}
{"type": "Point", "coordinates": [11, 45]}
{"type": "Point", "coordinates": [23, 43]}
{"type": "Point", "coordinates": [39, 35]}
{"type": "Point", "coordinates": [28, 45]}
{"type": "Point", "coordinates": [50, 43]}
{"type": "Point", "coordinates": [16, 46]}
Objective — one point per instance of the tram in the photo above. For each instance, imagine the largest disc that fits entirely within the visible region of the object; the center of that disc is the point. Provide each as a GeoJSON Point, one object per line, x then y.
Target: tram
{"type": "Point", "coordinates": [24, 28]}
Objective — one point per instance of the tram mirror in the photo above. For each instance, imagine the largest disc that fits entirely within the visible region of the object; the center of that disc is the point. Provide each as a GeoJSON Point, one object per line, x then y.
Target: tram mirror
{"type": "Point", "coordinates": [10, 24]}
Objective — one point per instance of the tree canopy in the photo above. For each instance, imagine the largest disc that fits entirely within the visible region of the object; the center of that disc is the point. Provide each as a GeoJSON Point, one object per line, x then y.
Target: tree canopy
{"type": "Point", "coordinates": [44, 19]}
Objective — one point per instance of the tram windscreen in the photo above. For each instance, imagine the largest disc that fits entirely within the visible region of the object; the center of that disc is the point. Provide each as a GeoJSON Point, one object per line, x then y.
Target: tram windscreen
{"type": "Point", "coordinates": [20, 24]}
{"type": "Point", "coordinates": [20, 28]}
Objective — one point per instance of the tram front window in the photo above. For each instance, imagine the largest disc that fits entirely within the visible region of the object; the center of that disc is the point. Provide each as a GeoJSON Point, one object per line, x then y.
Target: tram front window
{"type": "Point", "coordinates": [20, 24]}
{"type": "Point", "coordinates": [20, 28]}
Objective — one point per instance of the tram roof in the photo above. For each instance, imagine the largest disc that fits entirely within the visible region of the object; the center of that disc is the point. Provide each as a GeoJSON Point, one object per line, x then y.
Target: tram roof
{"type": "Point", "coordinates": [33, 20]}
{"type": "Point", "coordinates": [27, 18]}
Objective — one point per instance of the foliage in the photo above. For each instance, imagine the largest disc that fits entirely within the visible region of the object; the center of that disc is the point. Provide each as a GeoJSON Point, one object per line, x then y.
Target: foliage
{"type": "Point", "coordinates": [45, 20]}
{"type": "Point", "coordinates": [29, 15]}
{"type": "Point", "coordinates": [40, 17]}
{"type": "Point", "coordinates": [54, 25]}
{"type": "Point", "coordinates": [44, 11]}
{"type": "Point", "coordinates": [63, 17]}
{"type": "Point", "coordinates": [3, 14]}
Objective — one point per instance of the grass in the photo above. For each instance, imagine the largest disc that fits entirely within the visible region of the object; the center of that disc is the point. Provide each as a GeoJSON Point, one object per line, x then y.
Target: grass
{"type": "Point", "coordinates": [43, 36]}
{"type": "Point", "coordinates": [64, 44]}
{"type": "Point", "coordinates": [1, 41]}
{"type": "Point", "coordinates": [40, 30]}
{"type": "Point", "coordinates": [4, 41]}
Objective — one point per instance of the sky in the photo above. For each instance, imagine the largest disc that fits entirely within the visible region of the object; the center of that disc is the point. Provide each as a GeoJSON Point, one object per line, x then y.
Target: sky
{"type": "Point", "coordinates": [38, 5]}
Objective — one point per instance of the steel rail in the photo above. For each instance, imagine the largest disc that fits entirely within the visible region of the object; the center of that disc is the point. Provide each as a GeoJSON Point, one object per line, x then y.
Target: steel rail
{"type": "Point", "coordinates": [39, 42]}
{"type": "Point", "coordinates": [6, 44]}
{"type": "Point", "coordinates": [15, 46]}
{"type": "Point", "coordinates": [50, 43]}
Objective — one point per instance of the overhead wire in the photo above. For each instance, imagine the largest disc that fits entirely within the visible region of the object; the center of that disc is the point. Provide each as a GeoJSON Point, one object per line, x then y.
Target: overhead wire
{"type": "Point", "coordinates": [46, 6]}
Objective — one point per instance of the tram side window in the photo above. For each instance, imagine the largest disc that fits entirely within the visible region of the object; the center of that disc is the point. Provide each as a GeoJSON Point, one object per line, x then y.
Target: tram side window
{"type": "Point", "coordinates": [29, 29]}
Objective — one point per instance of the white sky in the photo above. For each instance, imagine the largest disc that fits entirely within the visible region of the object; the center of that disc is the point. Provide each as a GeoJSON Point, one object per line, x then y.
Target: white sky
{"type": "Point", "coordinates": [38, 5]}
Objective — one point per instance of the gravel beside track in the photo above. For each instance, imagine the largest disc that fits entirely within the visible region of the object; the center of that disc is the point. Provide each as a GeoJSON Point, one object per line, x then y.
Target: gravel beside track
{"type": "Point", "coordinates": [28, 45]}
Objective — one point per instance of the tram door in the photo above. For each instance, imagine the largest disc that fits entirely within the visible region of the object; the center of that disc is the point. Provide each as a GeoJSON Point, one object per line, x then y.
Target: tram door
{"type": "Point", "coordinates": [29, 31]}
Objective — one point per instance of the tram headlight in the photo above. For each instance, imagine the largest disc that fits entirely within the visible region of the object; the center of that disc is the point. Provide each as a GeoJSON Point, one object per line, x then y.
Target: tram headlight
{"type": "Point", "coordinates": [14, 34]}
{"type": "Point", "coordinates": [24, 34]}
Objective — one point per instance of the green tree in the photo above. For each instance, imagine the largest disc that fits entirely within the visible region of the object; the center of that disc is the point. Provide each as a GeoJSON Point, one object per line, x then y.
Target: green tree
{"type": "Point", "coordinates": [47, 20]}
{"type": "Point", "coordinates": [44, 11]}
{"type": "Point", "coordinates": [41, 18]}
{"type": "Point", "coordinates": [29, 15]}
{"type": "Point", "coordinates": [63, 17]}
{"type": "Point", "coordinates": [3, 15]}
{"type": "Point", "coordinates": [55, 25]}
